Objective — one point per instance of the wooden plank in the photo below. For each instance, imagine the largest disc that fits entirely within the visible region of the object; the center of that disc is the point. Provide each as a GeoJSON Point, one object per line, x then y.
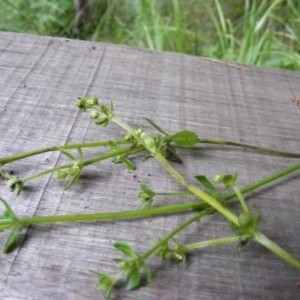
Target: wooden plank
{"type": "Point", "coordinates": [40, 77]}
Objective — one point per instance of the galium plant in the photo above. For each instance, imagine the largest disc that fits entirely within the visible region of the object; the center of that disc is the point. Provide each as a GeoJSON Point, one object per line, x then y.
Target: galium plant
{"type": "Point", "coordinates": [210, 198]}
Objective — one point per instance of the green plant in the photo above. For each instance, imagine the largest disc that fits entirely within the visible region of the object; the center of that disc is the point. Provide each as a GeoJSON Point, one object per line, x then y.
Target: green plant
{"type": "Point", "coordinates": [53, 18]}
{"type": "Point", "coordinates": [261, 35]}
{"type": "Point", "coordinates": [244, 222]}
{"type": "Point", "coordinates": [251, 32]}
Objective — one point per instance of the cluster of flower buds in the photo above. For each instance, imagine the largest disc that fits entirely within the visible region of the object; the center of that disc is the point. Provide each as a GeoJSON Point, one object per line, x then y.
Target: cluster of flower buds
{"type": "Point", "coordinates": [99, 114]}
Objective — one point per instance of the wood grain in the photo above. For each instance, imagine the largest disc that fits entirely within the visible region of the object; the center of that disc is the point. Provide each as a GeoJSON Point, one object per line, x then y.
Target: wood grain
{"type": "Point", "coordinates": [40, 77]}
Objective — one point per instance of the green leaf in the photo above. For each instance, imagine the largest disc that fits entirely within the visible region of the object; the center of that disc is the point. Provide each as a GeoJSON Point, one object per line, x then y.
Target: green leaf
{"type": "Point", "coordinates": [106, 283]}
{"type": "Point", "coordinates": [9, 213]}
{"type": "Point", "coordinates": [146, 196]}
{"type": "Point", "coordinates": [133, 279]}
{"type": "Point", "coordinates": [121, 263]}
{"type": "Point", "coordinates": [108, 112]}
{"type": "Point", "coordinates": [146, 189]}
{"type": "Point", "coordinates": [128, 164]}
{"type": "Point", "coordinates": [75, 177]}
{"type": "Point", "coordinates": [207, 183]}
{"type": "Point", "coordinates": [5, 215]}
{"type": "Point", "coordinates": [66, 153]}
{"type": "Point", "coordinates": [62, 175]}
{"type": "Point", "coordinates": [185, 138]}
{"type": "Point", "coordinates": [105, 110]}
{"type": "Point", "coordinates": [171, 155]}
{"type": "Point", "coordinates": [12, 239]}
{"type": "Point", "coordinates": [148, 274]}
{"type": "Point", "coordinates": [102, 122]}
{"type": "Point", "coordinates": [74, 171]}
{"type": "Point", "coordinates": [126, 249]}
{"type": "Point", "coordinates": [113, 145]}
{"type": "Point", "coordinates": [154, 125]}
{"type": "Point", "coordinates": [14, 222]}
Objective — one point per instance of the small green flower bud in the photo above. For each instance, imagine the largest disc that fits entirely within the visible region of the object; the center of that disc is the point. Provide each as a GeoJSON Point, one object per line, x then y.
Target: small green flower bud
{"type": "Point", "coordinates": [80, 103]}
{"type": "Point", "coordinates": [144, 196]}
{"type": "Point", "coordinates": [248, 223]}
{"type": "Point", "coordinates": [15, 183]}
{"type": "Point", "coordinates": [138, 132]}
{"type": "Point", "coordinates": [94, 115]}
{"type": "Point", "coordinates": [246, 219]}
{"type": "Point", "coordinates": [92, 101]}
{"type": "Point", "coordinates": [228, 180]}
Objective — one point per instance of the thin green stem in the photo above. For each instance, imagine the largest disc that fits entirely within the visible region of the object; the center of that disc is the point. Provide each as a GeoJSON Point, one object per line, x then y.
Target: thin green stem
{"type": "Point", "coordinates": [196, 191]}
{"type": "Point", "coordinates": [4, 224]}
{"type": "Point", "coordinates": [241, 199]}
{"type": "Point", "coordinates": [253, 186]}
{"type": "Point", "coordinates": [148, 143]}
{"type": "Point", "coordinates": [12, 158]}
{"type": "Point", "coordinates": [214, 242]}
{"type": "Point", "coordinates": [265, 241]}
{"type": "Point", "coordinates": [157, 211]}
{"type": "Point", "coordinates": [179, 228]}
{"type": "Point", "coordinates": [271, 178]}
{"type": "Point", "coordinates": [172, 194]}
{"type": "Point", "coordinates": [94, 160]}
{"type": "Point", "coordinates": [247, 146]}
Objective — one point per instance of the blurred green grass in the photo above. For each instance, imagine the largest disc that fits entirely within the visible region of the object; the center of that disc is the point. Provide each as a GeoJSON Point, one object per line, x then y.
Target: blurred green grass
{"type": "Point", "coordinates": [263, 33]}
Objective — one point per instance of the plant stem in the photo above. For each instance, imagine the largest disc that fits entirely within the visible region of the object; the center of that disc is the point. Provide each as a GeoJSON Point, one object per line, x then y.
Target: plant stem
{"type": "Point", "coordinates": [183, 225]}
{"type": "Point", "coordinates": [172, 194]}
{"type": "Point", "coordinates": [265, 241]}
{"type": "Point", "coordinates": [148, 143]}
{"type": "Point", "coordinates": [196, 191]}
{"type": "Point", "coordinates": [214, 242]}
{"type": "Point", "coordinates": [241, 199]}
{"type": "Point", "coordinates": [150, 212]}
{"type": "Point", "coordinates": [271, 178]}
{"type": "Point", "coordinates": [253, 186]}
{"type": "Point", "coordinates": [88, 162]}
{"type": "Point", "coordinates": [170, 209]}
{"type": "Point", "coordinates": [246, 146]}
{"type": "Point", "coordinates": [12, 158]}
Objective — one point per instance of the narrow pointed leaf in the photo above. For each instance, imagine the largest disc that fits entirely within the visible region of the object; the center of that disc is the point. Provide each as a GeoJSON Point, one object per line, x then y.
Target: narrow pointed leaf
{"type": "Point", "coordinates": [66, 153]}
{"type": "Point", "coordinates": [155, 126]}
{"type": "Point", "coordinates": [133, 280]}
{"type": "Point", "coordinates": [12, 239]}
{"type": "Point", "coordinates": [126, 249]}
{"type": "Point", "coordinates": [207, 183]}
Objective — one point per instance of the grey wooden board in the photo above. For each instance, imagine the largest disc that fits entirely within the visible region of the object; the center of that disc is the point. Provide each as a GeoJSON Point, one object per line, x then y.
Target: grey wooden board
{"type": "Point", "coordinates": [40, 77]}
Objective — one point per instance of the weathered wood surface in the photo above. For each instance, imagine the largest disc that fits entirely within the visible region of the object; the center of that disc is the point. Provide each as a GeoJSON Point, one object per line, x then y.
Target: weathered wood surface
{"type": "Point", "coordinates": [39, 79]}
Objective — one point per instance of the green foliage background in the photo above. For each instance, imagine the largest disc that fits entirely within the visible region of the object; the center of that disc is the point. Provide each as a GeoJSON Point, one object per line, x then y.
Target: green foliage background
{"type": "Point", "coordinates": [264, 33]}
